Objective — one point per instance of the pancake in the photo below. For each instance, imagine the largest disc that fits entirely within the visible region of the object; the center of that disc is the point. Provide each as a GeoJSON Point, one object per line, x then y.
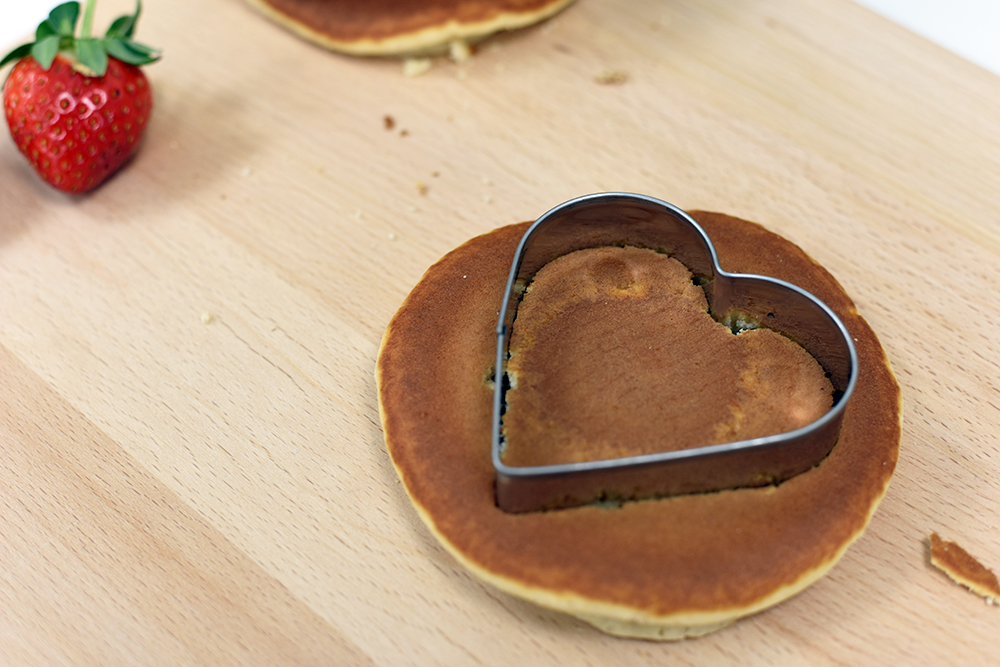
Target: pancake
{"type": "Point", "coordinates": [658, 569]}
{"type": "Point", "coordinates": [612, 345]}
{"type": "Point", "coordinates": [403, 27]}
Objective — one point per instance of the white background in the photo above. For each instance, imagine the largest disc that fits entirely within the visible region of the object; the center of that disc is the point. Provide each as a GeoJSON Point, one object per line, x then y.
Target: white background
{"type": "Point", "coordinates": [970, 28]}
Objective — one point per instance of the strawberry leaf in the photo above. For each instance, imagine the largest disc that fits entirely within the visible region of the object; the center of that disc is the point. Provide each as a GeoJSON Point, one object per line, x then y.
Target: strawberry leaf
{"type": "Point", "coordinates": [63, 18]}
{"type": "Point", "coordinates": [142, 48]}
{"type": "Point", "coordinates": [92, 54]}
{"type": "Point", "coordinates": [45, 50]}
{"type": "Point", "coordinates": [124, 26]}
{"type": "Point", "coordinates": [121, 27]}
{"type": "Point", "coordinates": [148, 51]}
{"type": "Point", "coordinates": [44, 30]}
{"type": "Point", "coordinates": [131, 52]}
{"type": "Point", "coordinates": [16, 54]}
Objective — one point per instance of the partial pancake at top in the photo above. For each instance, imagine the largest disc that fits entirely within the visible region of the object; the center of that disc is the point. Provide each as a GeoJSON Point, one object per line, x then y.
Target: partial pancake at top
{"type": "Point", "coordinates": [398, 27]}
{"type": "Point", "coordinates": [614, 353]}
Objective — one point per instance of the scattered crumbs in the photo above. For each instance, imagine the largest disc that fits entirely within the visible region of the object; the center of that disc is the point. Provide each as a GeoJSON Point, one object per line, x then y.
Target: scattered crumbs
{"type": "Point", "coordinates": [388, 122]}
{"type": "Point", "coordinates": [320, 169]}
{"type": "Point", "coordinates": [460, 51]}
{"type": "Point", "coordinates": [499, 67]}
{"type": "Point", "coordinates": [223, 196]}
{"type": "Point", "coordinates": [462, 75]}
{"type": "Point", "coordinates": [358, 214]}
{"type": "Point", "coordinates": [465, 276]}
{"type": "Point", "coordinates": [392, 236]}
{"type": "Point", "coordinates": [416, 66]}
{"type": "Point", "coordinates": [207, 317]}
{"type": "Point", "coordinates": [247, 171]}
{"type": "Point", "coordinates": [963, 569]}
{"type": "Point", "coordinates": [421, 187]}
{"type": "Point", "coordinates": [436, 174]}
{"type": "Point", "coordinates": [611, 77]}
{"type": "Point", "coordinates": [404, 133]}
{"type": "Point", "coordinates": [488, 199]}
{"type": "Point", "coordinates": [486, 180]}
{"type": "Point", "coordinates": [413, 209]}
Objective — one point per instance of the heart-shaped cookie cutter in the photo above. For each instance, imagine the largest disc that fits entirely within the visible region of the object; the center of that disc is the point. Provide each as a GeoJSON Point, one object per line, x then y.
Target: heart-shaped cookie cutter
{"type": "Point", "coordinates": [619, 219]}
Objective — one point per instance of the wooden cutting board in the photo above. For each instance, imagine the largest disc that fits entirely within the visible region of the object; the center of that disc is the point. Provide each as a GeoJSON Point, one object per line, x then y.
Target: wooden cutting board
{"type": "Point", "coordinates": [192, 463]}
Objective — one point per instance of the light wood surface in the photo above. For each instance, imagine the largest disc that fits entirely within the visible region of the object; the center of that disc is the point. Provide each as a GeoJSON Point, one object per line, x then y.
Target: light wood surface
{"type": "Point", "coordinates": [192, 463]}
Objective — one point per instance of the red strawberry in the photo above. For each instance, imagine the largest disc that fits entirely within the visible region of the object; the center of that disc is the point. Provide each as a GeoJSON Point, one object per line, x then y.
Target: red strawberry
{"type": "Point", "coordinates": [76, 130]}
{"type": "Point", "coordinates": [78, 107]}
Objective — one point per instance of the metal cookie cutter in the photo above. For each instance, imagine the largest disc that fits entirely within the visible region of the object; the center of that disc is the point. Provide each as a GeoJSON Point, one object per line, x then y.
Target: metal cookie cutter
{"type": "Point", "coordinates": [610, 219]}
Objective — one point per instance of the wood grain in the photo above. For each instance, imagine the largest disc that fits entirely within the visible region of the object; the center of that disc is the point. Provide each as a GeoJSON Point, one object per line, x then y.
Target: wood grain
{"type": "Point", "coordinates": [192, 467]}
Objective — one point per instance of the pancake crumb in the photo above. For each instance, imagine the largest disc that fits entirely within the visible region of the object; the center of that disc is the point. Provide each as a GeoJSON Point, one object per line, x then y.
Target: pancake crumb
{"type": "Point", "coordinates": [460, 51]}
{"type": "Point", "coordinates": [611, 77]}
{"type": "Point", "coordinates": [964, 569]}
{"type": "Point", "coordinates": [416, 66]}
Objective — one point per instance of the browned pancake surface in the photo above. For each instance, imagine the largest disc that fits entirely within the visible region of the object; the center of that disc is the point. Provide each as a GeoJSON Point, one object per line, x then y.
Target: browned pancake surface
{"type": "Point", "coordinates": [614, 353]}
{"type": "Point", "coordinates": [700, 553]}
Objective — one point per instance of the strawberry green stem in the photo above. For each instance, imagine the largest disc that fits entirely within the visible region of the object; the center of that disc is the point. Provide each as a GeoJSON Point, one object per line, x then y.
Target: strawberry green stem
{"type": "Point", "coordinates": [88, 19]}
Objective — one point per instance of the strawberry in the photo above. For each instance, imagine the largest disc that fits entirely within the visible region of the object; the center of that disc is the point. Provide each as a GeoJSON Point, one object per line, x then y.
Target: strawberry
{"type": "Point", "coordinates": [77, 107]}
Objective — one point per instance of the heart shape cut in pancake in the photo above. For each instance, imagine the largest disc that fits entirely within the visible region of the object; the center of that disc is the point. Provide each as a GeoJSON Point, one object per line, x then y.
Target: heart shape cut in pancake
{"type": "Point", "coordinates": [747, 457]}
{"type": "Point", "coordinates": [403, 27]}
{"type": "Point", "coordinates": [615, 354]}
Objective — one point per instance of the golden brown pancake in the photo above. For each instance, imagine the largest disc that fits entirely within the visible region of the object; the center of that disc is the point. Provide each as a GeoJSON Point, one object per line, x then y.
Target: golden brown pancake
{"type": "Point", "coordinates": [660, 569]}
{"type": "Point", "coordinates": [614, 353]}
{"type": "Point", "coordinates": [403, 27]}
